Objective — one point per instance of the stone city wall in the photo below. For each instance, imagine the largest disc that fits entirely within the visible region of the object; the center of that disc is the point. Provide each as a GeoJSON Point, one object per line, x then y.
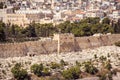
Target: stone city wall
{"type": "Point", "coordinates": [95, 41]}
{"type": "Point", "coordinates": [27, 48]}
{"type": "Point", "coordinates": [63, 43]}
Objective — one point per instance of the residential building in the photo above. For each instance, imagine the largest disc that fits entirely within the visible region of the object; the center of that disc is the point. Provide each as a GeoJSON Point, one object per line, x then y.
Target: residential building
{"type": "Point", "coordinates": [18, 19]}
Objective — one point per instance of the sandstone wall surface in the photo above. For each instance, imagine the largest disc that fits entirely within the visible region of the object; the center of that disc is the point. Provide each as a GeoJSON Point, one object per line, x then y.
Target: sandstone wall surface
{"type": "Point", "coordinates": [27, 48]}
{"type": "Point", "coordinates": [95, 41]}
{"type": "Point", "coordinates": [66, 44]}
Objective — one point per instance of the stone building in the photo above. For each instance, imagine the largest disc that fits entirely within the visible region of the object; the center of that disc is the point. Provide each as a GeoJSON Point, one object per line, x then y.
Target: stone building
{"type": "Point", "coordinates": [18, 19]}
{"type": "Point", "coordinates": [35, 17]}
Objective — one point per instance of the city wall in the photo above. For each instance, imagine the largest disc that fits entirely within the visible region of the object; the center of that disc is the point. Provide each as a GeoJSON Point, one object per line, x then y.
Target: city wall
{"type": "Point", "coordinates": [60, 43]}
{"type": "Point", "coordinates": [95, 41]}
{"type": "Point", "coordinates": [27, 48]}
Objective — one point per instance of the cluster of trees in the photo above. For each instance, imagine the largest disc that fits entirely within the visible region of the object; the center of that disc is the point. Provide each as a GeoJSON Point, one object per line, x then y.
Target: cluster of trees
{"type": "Point", "coordinates": [12, 33]}
{"type": "Point", "coordinates": [85, 27]}
{"type": "Point", "coordinates": [90, 26]}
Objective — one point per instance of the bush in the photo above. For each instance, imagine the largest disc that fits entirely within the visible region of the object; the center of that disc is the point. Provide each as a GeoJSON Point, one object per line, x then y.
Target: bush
{"type": "Point", "coordinates": [72, 73]}
{"type": "Point", "coordinates": [46, 72]}
{"type": "Point", "coordinates": [110, 76]}
{"type": "Point", "coordinates": [105, 75]}
{"type": "Point", "coordinates": [95, 56]}
{"type": "Point", "coordinates": [19, 73]}
{"type": "Point", "coordinates": [89, 68]}
{"type": "Point", "coordinates": [63, 63]}
{"type": "Point", "coordinates": [40, 70]}
{"type": "Point", "coordinates": [107, 65]}
{"type": "Point", "coordinates": [117, 43]}
{"type": "Point", "coordinates": [103, 58]}
{"type": "Point", "coordinates": [37, 69]}
{"type": "Point", "coordinates": [114, 71]}
{"type": "Point", "coordinates": [78, 63]}
{"type": "Point", "coordinates": [54, 65]}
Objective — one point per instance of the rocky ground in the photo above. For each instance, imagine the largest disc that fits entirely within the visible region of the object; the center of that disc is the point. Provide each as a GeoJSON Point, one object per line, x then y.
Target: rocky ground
{"type": "Point", "coordinates": [111, 52]}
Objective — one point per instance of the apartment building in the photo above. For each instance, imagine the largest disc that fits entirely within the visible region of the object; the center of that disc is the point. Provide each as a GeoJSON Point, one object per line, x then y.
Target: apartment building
{"type": "Point", "coordinates": [35, 17]}
{"type": "Point", "coordinates": [95, 14]}
{"type": "Point", "coordinates": [27, 11]}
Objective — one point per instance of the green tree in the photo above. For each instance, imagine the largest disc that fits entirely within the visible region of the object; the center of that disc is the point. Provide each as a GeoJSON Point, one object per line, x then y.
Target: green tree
{"type": "Point", "coordinates": [91, 20]}
{"type": "Point", "coordinates": [107, 28]}
{"type": "Point", "coordinates": [2, 32]}
{"type": "Point", "coordinates": [106, 21]}
{"type": "Point", "coordinates": [65, 27]}
{"type": "Point", "coordinates": [30, 30]}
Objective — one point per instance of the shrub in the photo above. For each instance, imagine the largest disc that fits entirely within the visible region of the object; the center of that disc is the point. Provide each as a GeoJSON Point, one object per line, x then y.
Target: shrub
{"type": "Point", "coordinates": [110, 76]}
{"type": "Point", "coordinates": [19, 73]}
{"type": "Point", "coordinates": [63, 63]}
{"type": "Point", "coordinates": [4, 72]}
{"type": "Point", "coordinates": [78, 63]}
{"type": "Point", "coordinates": [107, 65]}
{"type": "Point", "coordinates": [89, 68]}
{"type": "Point", "coordinates": [114, 72]}
{"type": "Point", "coordinates": [40, 70]}
{"type": "Point", "coordinates": [54, 65]}
{"type": "Point", "coordinates": [95, 56]}
{"type": "Point", "coordinates": [46, 72]}
{"type": "Point", "coordinates": [103, 58]}
{"type": "Point", "coordinates": [108, 55]}
{"type": "Point", "coordinates": [72, 73]}
{"type": "Point", "coordinates": [37, 69]}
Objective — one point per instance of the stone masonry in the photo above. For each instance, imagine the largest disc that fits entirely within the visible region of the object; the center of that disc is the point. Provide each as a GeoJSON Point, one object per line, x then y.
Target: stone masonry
{"type": "Point", "coordinates": [60, 43]}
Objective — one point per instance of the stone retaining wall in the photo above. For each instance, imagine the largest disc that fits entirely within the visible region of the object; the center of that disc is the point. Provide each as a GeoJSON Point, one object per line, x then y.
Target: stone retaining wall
{"type": "Point", "coordinates": [96, 41]}
{"type": "Point", "coordinates": [32, 48]}
{"type": "Point", "coordinates": [27, 48]}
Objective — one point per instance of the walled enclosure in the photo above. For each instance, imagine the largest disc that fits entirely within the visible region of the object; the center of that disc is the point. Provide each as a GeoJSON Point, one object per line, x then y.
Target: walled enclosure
{"type": "Point", "coordinates": [60, 43]}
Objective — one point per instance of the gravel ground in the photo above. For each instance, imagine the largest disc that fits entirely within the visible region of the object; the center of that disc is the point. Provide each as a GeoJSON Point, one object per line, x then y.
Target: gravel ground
{"type": "Point", "coordinates": [71, 57]}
